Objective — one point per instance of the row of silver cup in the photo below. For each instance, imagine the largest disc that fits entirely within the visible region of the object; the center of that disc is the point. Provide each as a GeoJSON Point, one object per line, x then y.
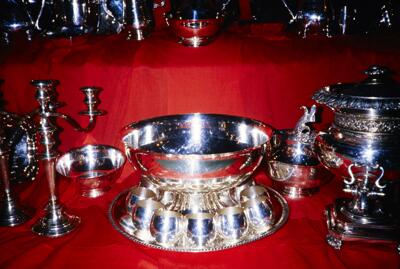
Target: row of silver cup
{"type": "Point", "coordinates": [150, 220]}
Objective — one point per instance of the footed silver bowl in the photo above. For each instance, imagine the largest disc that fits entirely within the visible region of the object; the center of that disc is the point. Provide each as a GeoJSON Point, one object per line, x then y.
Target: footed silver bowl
{"type": "Point", "coordinates": [95, 167]}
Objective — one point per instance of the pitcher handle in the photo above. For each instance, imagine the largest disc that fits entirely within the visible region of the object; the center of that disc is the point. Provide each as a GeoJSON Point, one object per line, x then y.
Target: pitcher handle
{"type": "Point", "coordinates": [36, 23]}
{"type": "Point", "coordinates": [291, 13]}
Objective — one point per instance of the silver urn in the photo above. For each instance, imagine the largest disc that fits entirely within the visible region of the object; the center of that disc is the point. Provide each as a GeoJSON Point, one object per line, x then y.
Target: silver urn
{"type": "Point", "coordinates": [362, 146]}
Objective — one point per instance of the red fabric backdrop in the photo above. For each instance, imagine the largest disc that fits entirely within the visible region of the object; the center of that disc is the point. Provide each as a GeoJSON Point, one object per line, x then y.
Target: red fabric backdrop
{"type": "Point", "coordinates": [252, 71]}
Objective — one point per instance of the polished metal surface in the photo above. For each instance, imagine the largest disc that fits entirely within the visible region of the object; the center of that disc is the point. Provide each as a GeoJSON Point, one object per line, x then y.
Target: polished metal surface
{"type": "Point", "coordinates": [342, 227]}
{"type": "Point", "coordinates": [259, 212]}
{"type": "Point", "coordinates": [167, 227]}
{"type": "Point", "coordinates": [136, 194]}
{"type": "Point", "coordinates": [139, 18]}
{"type": "Point", "coordinates": [293, 164]}
{"type": "Point", "coordinates": [109, 17]}
{"type": "Point", "coordinates": [20, 136]}
{"type": "Point", "coordinates": [142, 213]}
{"type": "Point", "coordinates": [313, 17]}
{"type": "Point", "coordinates": [56, 222]}
{"type": "Point", "coordinates": [194, 22]}
{"type": "Point", "coordinates": [196, 152]}
{"type": "Point", "coordinates": [231, 223]}
{"type": "Point", "coordinates": [11, 214]}
{"type": "Point", "coordinates": [94, 167]}
{"type": "Point", "coordinates": [377, 95]}
{"type": "Point", "coordinates": [17, 162]}
{"type": "Point", "coordinates": [71, 18]}
{"type": "Point", "coordinates": [14, 18]}
{"type": "Point", "coordinates": [366, 155]}
{"type": "Point", "coordinates": [200, 231]}
{"type": "Point", "coordinates": [252, 192]}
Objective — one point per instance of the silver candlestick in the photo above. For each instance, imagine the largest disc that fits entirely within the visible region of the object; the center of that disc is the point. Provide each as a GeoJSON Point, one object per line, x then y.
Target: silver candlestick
{"type": "Point", "coordinates": [11, 214]}
{"type": "Point", "coordinates": [56, 221]}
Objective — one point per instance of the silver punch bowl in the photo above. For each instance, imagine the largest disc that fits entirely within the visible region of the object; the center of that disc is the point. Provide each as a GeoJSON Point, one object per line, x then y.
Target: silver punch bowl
{"type": "Point", "coordinates": [196, 171]}
{"type": "Point", "coordinates": [196, 152]}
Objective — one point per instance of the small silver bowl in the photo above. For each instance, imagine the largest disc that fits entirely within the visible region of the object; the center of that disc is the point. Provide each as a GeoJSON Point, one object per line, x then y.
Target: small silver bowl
{"type": "Point", "coordinates": [95, 167]}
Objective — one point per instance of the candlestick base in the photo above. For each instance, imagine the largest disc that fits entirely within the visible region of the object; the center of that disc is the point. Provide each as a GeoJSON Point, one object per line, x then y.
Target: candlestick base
{"type": "Point", "coordinates": [56, 222]}
{"type": "Point", "coordinates": [11, 214]}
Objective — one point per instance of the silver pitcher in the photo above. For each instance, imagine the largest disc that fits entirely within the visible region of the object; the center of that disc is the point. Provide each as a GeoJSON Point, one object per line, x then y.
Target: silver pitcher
{"type": "Point", "coordinates": [313, 17]}
{"type": "Point", "coordinates": [66, 18]}
{"type": "Point", "coordinates": [138, 21]}
{"type": "Point", "coordinates": [109, 16]}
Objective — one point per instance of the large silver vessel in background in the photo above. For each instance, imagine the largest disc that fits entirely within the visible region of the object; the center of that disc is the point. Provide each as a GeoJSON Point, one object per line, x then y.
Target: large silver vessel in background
{"type": "Point", "coordinates": [363, 146]}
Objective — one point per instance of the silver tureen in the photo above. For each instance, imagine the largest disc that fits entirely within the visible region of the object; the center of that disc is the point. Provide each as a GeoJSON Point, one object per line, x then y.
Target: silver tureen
{"type": "Point", "coordinates": [362, 146]}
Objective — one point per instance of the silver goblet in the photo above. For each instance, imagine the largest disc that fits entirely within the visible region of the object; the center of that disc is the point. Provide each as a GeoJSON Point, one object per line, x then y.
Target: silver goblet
{"type": "Point", "coordinates": [142, 213]}
{"type": "Point", "coordinates": [259, 212]}
{"type": "Point", "coordinates": [200, 228]}
{"type": "Point", "coordinates": [231, 222]}
{"type": "Point", "coordinates": [166, 227]}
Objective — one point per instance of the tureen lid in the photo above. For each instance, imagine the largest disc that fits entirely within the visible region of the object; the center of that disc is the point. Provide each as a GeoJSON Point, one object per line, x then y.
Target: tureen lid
{"type": "Point", "coordinates": [378, 91]}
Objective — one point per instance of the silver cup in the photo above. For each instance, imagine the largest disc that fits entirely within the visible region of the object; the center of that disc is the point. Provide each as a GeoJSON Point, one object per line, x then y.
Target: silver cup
{"type": "Point", "coordinates": [253, 192]}
{"type": "Point", "coordinates": [137, 194]}
{"type": "Point", "coordinates": [143, 212]}
{"type": "Point", "coordinates": [231, 223]}
{"type": "Point", "coordinates": [259, 212]}
{"type": "Point", "coordinates": [200, 228]}
{"type": "Point", "coordinates": [166, 227]}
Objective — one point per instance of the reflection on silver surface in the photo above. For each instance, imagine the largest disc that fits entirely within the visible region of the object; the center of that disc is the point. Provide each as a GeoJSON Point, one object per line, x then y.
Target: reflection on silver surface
{"type": "Point", "coordinates": [231, 222]}
{"type": "Point", "coordinates": [136, 194]}
{"type": "Point", "coordinates": [252, 192]}
{"type": "Point", "coordinates": [259, 212]}
{"type": "Point", "coordinates": [314, 17]}
{"type": "Point", "coordinates": [200, 229]}
{"type": "Point", "coordinates": [166, 227]}
{"type": "Point", "coordinates": [21, 139]}
{"type": "Point", "coordinates": [14, 18]}
{"type": "Point", "coordinates": [362, 146]}
{"type": "Point", "coordinates": [95, 167]}
{"type": "Point", "coordinates": [196, 152]}
{"type": "Point", "coordinates": [138, 18]}
{"type": "Point", "coordinates": [293, 164]}
{"type": "Point", "coordinates": [142, 213]}
{"type": "Point", "coordinates": [198, 164]}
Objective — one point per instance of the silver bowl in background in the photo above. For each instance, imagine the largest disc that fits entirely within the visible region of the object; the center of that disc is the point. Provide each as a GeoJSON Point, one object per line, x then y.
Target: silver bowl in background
{"type": "Point", "coordinates": [95, 167]}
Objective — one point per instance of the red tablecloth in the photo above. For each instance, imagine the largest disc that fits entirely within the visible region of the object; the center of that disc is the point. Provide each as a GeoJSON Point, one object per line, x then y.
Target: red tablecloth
{"type": "Point", "coordinates": [251, 71]}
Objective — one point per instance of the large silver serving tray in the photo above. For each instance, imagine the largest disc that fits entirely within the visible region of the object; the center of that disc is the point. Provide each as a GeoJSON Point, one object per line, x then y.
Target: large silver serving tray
{"type": "Point", "coordinates": [118, 212]}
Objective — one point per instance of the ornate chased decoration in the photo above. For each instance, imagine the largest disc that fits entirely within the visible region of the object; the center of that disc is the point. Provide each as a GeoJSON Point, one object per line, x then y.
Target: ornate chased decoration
{"type": "Point", "coordinates": [332, 97]}
{"type": "Point", "coordinates": [370, 125]}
